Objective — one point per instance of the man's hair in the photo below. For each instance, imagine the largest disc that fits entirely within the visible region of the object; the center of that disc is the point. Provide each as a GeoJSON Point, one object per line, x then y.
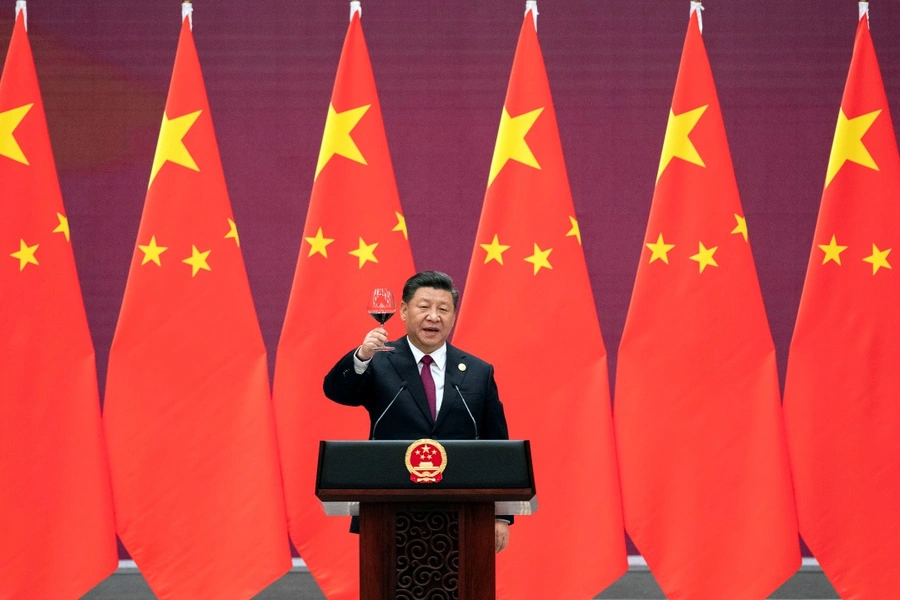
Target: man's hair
{"type": "Point", "coordinates": [431, 279]}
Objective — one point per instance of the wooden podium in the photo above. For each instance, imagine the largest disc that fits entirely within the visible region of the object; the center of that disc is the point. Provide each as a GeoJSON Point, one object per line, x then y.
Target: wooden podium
{"type": "Point", "coordinates": [426, 540]}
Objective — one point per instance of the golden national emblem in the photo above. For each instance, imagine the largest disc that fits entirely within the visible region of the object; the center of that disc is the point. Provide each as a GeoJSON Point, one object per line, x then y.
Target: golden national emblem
{"type": "Point", "coordinates": [426, 460]}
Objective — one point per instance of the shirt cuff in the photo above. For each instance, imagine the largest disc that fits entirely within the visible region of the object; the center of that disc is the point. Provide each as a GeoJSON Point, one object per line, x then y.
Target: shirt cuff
{"type": "Point", "coordinates": [360, 366]}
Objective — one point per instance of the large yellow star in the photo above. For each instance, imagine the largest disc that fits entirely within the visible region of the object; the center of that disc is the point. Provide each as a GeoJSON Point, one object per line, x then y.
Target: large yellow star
{"type": "Point", "coordinates": [25, 254]}
{"type": "Point", "coordinates": [63, 226]}
{"type": "Point", "coordinates": [170, 146]}
{"type": "Point", "coordinates": [511, 142]}
{"type": "Point", "coordinates": [401, 225]}
{"type": "Point", "coordinates": [575, 230]}
{"type": "Point", "coordinates": [540, 259]}
{"type": "Point", "coordinates": [337, 140]}
{"type": "Point", "coordinates": [741, 226]}
{"type": "Point", "coordinates": [233, 233]}
{"type": "Point", "coordinates": [9, 120]}
{"type": "Point", "coordinates": [677, 144]}
{"type": "Point", "coordinates": [152, 251]}
{"type": "Point", "coordinates": [318, 244]}
{"type": "Point", "coordinates": [660, 250]}
{"type": "Point", "coordinates": [197, 260]}
{"type": "Point", "coordinates": [878, 259]}
{"type": "Point", "coordinates": [848, 144]}
{"type": "Point", "coordinates": [832, 251]}
{"type": "Point", "coordinates": [494, 250]}
{"type": "Point", "coordinates": [705, 256]}
{"type": "Point", "coordinates": [365, 253]}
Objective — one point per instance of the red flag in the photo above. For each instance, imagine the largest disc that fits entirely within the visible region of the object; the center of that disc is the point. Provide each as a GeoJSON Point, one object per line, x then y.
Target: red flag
{"type": "Point", "coordinates": [355, 239]}
{"type": "Point", "coordinates": [528, 267]}
{"type": "Point", "coordinates": [706, 488]}
{"type": "Point", "coordinates": [843, 383]}
{"type": "Point", "coordinates": [56, 519]}
{"type": "Point", "coordinates": [188, 412]}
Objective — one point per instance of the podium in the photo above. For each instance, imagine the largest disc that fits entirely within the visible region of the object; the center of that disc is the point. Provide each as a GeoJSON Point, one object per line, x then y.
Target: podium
{"type": "Point", "coordinates": [432, 539]}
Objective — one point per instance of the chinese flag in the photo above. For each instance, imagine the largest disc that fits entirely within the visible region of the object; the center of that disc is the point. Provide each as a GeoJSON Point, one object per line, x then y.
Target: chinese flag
{"type": "Point", "coordinates": [355, 239]}
{"type": "Point", "coordinates": [188, 413]}
{"type": "Point", "coordinates": [56, 518]}
{"type": "Point", "coordinates": [528, 267]}
{"type": "Point", "coordinates": [706, 488]}
{"type": "Point", "coordinates": [842, 398]}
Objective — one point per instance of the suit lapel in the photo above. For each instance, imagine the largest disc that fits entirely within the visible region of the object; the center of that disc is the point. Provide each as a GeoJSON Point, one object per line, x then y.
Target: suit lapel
{"type": "Point", "coordinates": [402, 360]}
{"type": "Point", "coordinates": [454, 374]}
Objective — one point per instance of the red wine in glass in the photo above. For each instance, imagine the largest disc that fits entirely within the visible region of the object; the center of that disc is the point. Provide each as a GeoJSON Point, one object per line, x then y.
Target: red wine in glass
{"type": "Point", "coordinates": [382, 308]}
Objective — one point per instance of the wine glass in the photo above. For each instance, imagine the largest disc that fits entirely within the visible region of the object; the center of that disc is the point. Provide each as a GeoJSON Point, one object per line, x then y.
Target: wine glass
{"type": "Point", "coordinates": [382, 308]}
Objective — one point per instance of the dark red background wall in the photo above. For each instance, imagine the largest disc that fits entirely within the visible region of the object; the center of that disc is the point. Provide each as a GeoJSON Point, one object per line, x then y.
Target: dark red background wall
{"type": "Point", "coordinates": [442, 71]}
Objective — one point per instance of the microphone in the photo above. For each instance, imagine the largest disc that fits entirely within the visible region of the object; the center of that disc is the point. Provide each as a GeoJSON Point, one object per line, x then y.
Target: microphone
{"type": "Point", "coordinates": [466, 404]}
{"type": "Point", "coordinates": [391, 403]}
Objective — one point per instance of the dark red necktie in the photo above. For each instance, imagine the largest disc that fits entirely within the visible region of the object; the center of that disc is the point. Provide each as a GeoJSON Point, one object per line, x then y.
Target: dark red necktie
{"type": "Point", "coordinates": [428, 382]}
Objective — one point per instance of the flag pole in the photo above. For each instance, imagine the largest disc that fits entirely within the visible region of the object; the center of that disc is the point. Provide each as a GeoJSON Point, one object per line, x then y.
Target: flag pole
{"type": "Point", "coordinates": [532, 6]}
{"type": "Point", "coordinates": [21, 8]}
{"type": "Point", "coordinates": [187, 10]}
{"type": "Point", "coordinates": [355, 7]}
{"type": "Point", "coordinates": [698, 8]}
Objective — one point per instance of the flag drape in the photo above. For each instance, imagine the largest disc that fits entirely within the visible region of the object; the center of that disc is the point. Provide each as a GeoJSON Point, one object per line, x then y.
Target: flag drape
{"type": "Point", "coordinates": [706, 488]}
{"type": "Point", "coordinates": [188, 413]}
{"type": "Point", "coordinates": [354, 239]}
{"type": "Point", "coordinates": [529, 310]}
{"type": "Point", "coordinates": [57, 535]}
{"type": "Point", "coordinates": [842, 412]}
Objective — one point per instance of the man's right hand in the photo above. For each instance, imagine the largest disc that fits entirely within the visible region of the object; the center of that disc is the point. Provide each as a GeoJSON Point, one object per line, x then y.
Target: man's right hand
{"type": "Point", "coordinates": [373, 340]}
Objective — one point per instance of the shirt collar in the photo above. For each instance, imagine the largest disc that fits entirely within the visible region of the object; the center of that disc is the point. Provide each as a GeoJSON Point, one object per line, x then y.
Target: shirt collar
{"type": "Point", "coordinates": [439, 355]}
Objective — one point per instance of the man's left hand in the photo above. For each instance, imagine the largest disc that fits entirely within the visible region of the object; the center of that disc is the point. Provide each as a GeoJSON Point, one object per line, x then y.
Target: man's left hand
{"type": "Point", "coordinates": [501, 535]}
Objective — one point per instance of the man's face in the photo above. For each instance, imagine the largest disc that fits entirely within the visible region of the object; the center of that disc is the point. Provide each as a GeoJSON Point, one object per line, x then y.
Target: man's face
{"type": "Point", "coordinates": [429, 316]}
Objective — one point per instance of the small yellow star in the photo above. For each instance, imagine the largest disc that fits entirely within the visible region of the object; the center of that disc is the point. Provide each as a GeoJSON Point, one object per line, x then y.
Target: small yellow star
{"type": "Point", "coordinates": [494, 250]}
{"type": "Point", "coordinates": [878, 259]}
{"type": "Point", "coordinates": [741, 227]}
{"type": "Point", "coordinates": [25, 254]}
{"type": "Point", "coordinates": [677, 144]}
{"type": "Point", "coordinates": [848, 144]}
{"type": "Point", "coordinates": [197, 260]}
{"type": "Point", "coordinates": [832, 251]}
{"type": "Point", "coordinates": [511, 142]}
{"type": "Point", "coordinates": [233, 233]}
{"type": "Point", "coordinates": [152, 252]}
{"type": "Point", "coordinates": [705, 256]}
{"type": "Point", "coordinates": [318, 244]}
{"type": "Point", "coordinates": [63, 226]}
{"type": "Point", "coordinates": [660, 250]}
{"type": "Point", "coordinates": [9, 120]}
{"type": "Point", "coordinates": [365, 253]}
{"type": "Point", "coordinates": [574, 230]}
{"type": "Point", "coordinates": [337, 140]}
{"type": "Point", "coordinates": [540, 259]}
{"type": "Point", "coordinates": [401, 225]}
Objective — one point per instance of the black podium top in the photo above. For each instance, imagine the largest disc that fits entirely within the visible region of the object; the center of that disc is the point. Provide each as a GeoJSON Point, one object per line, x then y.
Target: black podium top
{"type": "Point", "coordinates": [476, 470]}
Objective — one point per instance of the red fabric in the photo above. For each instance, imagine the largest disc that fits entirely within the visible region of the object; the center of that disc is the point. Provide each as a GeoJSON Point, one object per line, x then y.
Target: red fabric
{"type": "Point", "coordinates": [843, 383]}
{"type": "Point", "coordinates": [353, 204]}
{"type": "Point", "coordinates": [706, 487]}
{"type": "Point", "coordinates": [188, 412]}
{"type": "Point", "coordinates": [56, 519]}
{"type": "Point", "coordinates": [537, 325]}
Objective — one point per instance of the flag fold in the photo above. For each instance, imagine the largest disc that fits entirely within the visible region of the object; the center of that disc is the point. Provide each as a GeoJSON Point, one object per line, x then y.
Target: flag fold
{"type": "Point", "coordinates": [56, 518]}
{"type": "Point", "coordinates": [188, 412]}
{"type": "Point", "coordinates": [354, 239]}
{"type": "Point", "coordinates": [528, 309]}
{"type": "Point", "coordinates": [842, 413]}
{"type": "Point", "coordinates": [706, 487]}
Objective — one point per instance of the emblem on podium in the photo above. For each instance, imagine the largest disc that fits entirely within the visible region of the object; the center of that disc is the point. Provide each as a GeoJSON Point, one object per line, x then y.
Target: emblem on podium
{"type": "Point", "coordinates": [426, 460]}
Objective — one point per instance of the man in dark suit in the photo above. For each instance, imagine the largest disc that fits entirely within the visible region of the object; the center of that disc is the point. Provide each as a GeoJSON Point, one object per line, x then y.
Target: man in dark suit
{"type": "Point", "coordinates": [457, 396]}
